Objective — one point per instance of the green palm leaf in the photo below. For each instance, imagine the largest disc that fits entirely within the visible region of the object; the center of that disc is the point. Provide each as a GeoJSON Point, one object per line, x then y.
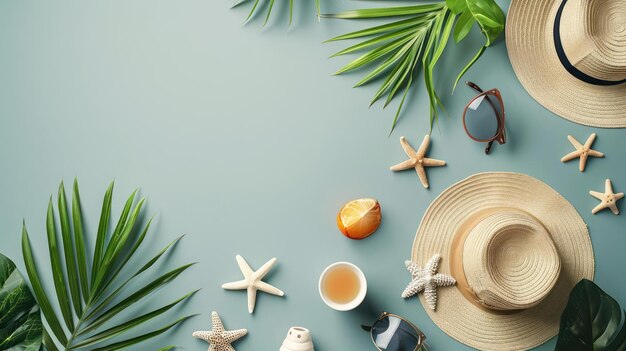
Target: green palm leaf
{"type": "Point", "coordinates": [259, 4]}
{"type": "Point", "coordinates": [88, 304]}
{"type": "Point", "coordinates": [417, 34]}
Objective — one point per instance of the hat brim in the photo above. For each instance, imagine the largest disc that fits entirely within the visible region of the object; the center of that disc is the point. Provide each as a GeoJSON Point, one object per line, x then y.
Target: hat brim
{"type": "Point", "coordinates": [464, 320]}
{"type": "Point", "coordinates": [530, 44]}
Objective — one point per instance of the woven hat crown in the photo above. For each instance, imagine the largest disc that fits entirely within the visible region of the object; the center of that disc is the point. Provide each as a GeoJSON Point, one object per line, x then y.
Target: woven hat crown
{"type": "Point", "coordinates": [510, 261]}
{"type": "Point", "coordinates": [593, 35]}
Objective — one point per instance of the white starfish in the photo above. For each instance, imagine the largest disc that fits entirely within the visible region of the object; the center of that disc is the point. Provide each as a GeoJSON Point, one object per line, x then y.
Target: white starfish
{"type": "Point", "coordinates": [426, 280]}
{"type": "Point", "coordinates": [608, 198]}
{"type": "Point", "coordinates": [219, 339]}
{"type": "Point", "coordinates": [253, 281]}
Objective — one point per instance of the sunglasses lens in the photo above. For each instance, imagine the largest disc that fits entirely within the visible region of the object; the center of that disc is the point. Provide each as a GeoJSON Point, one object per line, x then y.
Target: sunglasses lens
{"type": "Point", "coordinates": [481, 119]}
{"type": "Point", "coordinates": [394, 334]}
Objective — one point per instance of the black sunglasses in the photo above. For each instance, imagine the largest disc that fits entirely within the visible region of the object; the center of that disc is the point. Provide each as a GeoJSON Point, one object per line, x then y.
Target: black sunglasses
{"type": "Point", "coordinates": [394, 333]}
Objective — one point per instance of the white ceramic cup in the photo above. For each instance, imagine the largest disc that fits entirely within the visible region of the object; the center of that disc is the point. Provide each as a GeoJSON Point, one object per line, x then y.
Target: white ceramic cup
{"type": "Point", "coordinates": [359, 297]}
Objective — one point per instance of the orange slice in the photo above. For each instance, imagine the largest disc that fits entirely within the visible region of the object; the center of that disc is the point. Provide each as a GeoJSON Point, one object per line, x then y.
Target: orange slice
{"type": "Point", "coordinates": [359, 218]}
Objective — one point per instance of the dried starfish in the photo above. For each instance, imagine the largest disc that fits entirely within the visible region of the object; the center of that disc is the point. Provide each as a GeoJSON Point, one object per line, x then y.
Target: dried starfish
{"type": "Point", "coordinates": [608, 198]}
{"type": "Point", "coordinates": [426, 280]}
{"type": "Point", "coordinates": [582, 151]}
{"type": "Point", "coordinates": [253, 281]}
{"type": "Point", "coordinates": [219, 339]}
{"type": "Point", "coordinates": [417, 160]}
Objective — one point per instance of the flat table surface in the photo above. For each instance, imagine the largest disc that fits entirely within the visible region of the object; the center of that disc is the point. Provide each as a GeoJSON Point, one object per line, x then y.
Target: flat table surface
{"type": "Point", "coordinates": [241, 138]}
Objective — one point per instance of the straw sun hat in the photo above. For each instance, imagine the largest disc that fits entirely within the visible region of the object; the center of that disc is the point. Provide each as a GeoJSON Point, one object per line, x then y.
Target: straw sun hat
{"type": "Point", "coordinates": [570, 55]}
{"type": "Point", "coordinates": [516, 248]}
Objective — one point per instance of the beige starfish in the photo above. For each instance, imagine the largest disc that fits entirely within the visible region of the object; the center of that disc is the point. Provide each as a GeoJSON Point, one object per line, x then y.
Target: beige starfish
{"type": "Point", "coordinates": [219, 339]}
{"type": "Point", "coordinates": [253, 281]}
{"type": "Point", "coordinates": [582, 151]}
{"type": "Point", "coordinates": [417, 160]}
{"type": "Point", "coordinates": [608, 198]}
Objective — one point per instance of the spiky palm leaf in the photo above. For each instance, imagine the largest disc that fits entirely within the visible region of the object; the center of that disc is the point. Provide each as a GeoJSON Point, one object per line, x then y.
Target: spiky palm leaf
{"type": "Point", "coordinates": [270, 5]}
{"type": "Point", "coordinates": [418, 34]}
{"type": "Point", "coordinates": [95, 297]}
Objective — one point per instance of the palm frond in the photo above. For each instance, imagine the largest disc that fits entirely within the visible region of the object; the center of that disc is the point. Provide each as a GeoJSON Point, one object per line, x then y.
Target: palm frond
{"type": "Point", "coordinates": [417, 34]}
{"type": "Point", "coordinates": [258, 5]}
{"type": "Point", "coordinates": [89, 304]}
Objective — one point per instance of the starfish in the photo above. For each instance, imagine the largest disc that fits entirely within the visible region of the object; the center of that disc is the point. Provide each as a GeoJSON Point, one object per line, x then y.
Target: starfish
{"type": "Point", "coordinates": [608, 198]}
{"type": "Point", "coordinates": [218, 338]}
{"type": "Point", "coordinates": [417, 159]}
{"type": "Point", "coordinates": [426, 280]}
{"type": "Point", "coordinates": [253, 281]}
{"type": "Point", "coordinates": [582, 151]}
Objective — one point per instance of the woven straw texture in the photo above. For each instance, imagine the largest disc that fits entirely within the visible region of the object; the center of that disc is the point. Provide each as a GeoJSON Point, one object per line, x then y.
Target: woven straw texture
{"type": "Point", "coordinates": [447, 216]}
{"type": "Point", "coordinates": [530, 44]}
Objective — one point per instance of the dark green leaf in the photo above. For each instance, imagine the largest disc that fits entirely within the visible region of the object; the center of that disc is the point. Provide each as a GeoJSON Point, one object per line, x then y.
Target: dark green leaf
{"type": "Point", "coordinates": [592, 320]}
{"type": "Point", "coordinates": [79, 237]}
{"type": "Point", "coordinates": [117, 291]}
{"type": "Point", "coordinates": [125, 260]}
{"type": "Point", "coordinates": [40, 294]}
{"type": "Point", "coordinates": [126, 343]}
{"type": "Point", "coordinates": [47, 341]}
{"type": "Point", "coordinates": [126, 326]}
{"type": "Point", "coordinates": [103, 227]}
{"type": "Point", "coordinates": [57, 270]}
{"type": "Point", "coordinates": [124, 243]}
{"type": "Point", "coordinates": [20, 320]}
{"type": "Point", "coordinates": [136, 296]}
{"type": "Point", "coordinates": [122, 228]}
{"type": "Point", "coordinates": [68, 249]}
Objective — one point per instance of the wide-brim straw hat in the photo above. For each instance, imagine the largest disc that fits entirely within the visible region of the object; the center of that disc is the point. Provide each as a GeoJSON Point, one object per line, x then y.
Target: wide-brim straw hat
{"type": "Point", "coordinates": [516, 248]}
{"type": "Point", "coordinates": [570, 55]}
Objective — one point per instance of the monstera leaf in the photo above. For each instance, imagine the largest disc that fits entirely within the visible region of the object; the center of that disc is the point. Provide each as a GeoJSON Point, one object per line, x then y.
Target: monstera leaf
{"type": "Point", "coordinates": [415, 36]}
{"type": "Point", "coordinates": [20, 322]}
{"type": "Point", "coordinates": [89, 310]}
{"type": "Point", "coordinates": [592, 321]}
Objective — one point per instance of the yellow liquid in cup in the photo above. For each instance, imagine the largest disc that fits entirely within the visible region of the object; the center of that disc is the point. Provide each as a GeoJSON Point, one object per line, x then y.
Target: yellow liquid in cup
{"type": "Point", "coordinates": [341, 285]}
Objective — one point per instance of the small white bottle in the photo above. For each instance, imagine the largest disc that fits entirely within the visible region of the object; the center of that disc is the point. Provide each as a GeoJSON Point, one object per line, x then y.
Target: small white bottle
{"type": "Point", "coordinates": [298, 339]}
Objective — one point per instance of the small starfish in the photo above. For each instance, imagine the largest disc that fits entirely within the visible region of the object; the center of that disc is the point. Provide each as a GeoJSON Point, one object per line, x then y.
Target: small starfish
{"type": "Point", "coordinates": [219, 339]}
{"type": "Point", "coordinates": [426, 280]}
{"type": "Point", "coordinates": [417, 160]}
{"type": "Point", "coordinates": [253, 281]}
{"type": "Point", "coordinates": [582, 151]}
{"type": "Point", "coordinates": [608, 198]}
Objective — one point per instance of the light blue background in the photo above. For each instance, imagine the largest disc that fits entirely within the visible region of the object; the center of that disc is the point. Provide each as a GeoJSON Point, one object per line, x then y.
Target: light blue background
{"type": "Point", "coordinates": [241, 138]}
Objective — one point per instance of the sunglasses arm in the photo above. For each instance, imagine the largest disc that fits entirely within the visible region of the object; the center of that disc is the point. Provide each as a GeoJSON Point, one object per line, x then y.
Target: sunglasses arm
{"type": "Point", "coordinates": [474, 86]}
{"type": "Point", "coordinates": [367, 328]}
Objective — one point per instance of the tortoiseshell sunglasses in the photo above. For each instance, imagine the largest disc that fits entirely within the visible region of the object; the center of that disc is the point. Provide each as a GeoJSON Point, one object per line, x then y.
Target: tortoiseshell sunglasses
{"type": "Point", "coordinates": [483, 117]}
